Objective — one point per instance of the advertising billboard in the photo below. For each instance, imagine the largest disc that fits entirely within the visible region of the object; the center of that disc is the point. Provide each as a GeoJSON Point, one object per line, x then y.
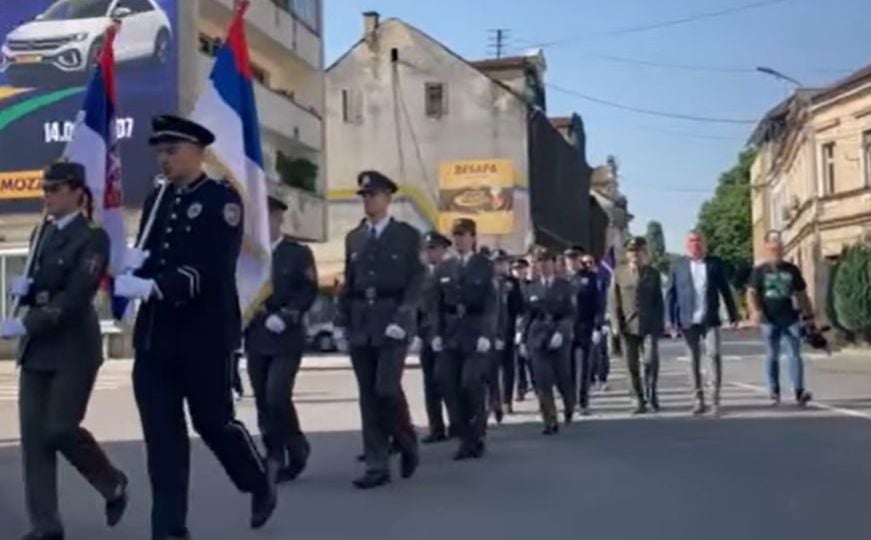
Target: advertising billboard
{"type": "Point", "coordinates": [479, 189]}
{"type": "Point", "coordinates": [48, 51]}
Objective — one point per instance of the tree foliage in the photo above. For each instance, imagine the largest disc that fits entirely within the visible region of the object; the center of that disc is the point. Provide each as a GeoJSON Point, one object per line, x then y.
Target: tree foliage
{"type": "Point", "coordinates": [656, 246]}
{"type": "Point", "coordinates": [299, 173]}
{"type": "Point", "coordinates": [726, 223]}
{"type": "Point", "coordinates": [852, 290]}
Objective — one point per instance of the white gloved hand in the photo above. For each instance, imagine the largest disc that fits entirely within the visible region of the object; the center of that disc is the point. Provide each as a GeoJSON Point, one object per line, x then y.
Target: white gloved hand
{"type": "Point", "coordinates": [483, 345]}
{"type": "Point", "coordinates": [133, 287]}
{"type": "Point", "coordinates": [12, 328]}
{"type": "Point", "coordinates": [341, 339]}
{"type": "Point", "coordinates": [275, 324]}
{"type": "Point", "coordinates": [556, 341]}
{"type": "Point", "coordinates": [437, 344]}
{"type": "Point", "coordinates": [500, 345]}
{"type": "Point", "coordinates": [518, 338]}
{"type": "Point", "coordinates": [134, 259]}
{"type": "Point", "coordinates": [523, 351]}
{"type": "Point", "coordinates": [394, 331]}
{"type": "Point", "coordinates": [597, 337]}
{"type": "Point", "coordinates": [20, 286]}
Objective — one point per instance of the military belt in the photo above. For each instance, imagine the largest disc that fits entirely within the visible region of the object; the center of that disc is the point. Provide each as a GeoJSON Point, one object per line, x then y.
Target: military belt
{"type": "Point", "coordinates": [371, 294]}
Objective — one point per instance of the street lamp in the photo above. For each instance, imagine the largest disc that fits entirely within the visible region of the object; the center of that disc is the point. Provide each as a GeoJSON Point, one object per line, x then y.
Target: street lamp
{"type": "Point", "coordinates": [778, 75]}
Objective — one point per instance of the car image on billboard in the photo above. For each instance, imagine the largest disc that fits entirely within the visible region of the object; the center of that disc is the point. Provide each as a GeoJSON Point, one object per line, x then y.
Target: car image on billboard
{"type": "Point", "coordinates": [48, 51]}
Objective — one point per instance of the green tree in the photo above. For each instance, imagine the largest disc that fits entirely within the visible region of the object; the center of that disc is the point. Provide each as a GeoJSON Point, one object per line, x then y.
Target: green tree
{"type": "Point", "coordinates": [656, 243]}
{"type": "Point", "coordinates": [726, 223]}
{"type": "Point", "coordinates": [297, 173]}
{"type": "Point", "coordinates": [852, 290]}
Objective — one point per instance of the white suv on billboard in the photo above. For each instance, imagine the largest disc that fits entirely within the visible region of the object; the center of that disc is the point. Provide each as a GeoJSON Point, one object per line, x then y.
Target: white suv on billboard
{"type": "Point", "coordinates": [67, 37]}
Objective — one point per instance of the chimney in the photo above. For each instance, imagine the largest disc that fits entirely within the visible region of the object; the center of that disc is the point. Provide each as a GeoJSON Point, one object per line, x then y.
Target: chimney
{"type": "Point", "coordinates": [371, 20]}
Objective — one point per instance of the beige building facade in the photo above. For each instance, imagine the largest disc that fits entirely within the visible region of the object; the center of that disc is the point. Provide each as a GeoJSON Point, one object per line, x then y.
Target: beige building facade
{"type": "Point", "coordinates": [812, 176]}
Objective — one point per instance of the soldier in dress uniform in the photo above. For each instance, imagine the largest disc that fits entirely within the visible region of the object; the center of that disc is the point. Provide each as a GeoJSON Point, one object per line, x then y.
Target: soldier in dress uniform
{"type": "Point", "coordinates": [520, 271]}
{"type": "Point", "coordinates": [588, 322]}
{"type": "Point", "coordinates": [550, 315]}
{"type": "Point", "coordinates": [185, 278]}
{"type": "Point", "coordinates": [465, 328]}
{"type": "Point", "coordinates": [377, 314]}
{"type": "Point", "coordinates": [435, 249]}
{"type": "Point", "coordinates": [274, 343]}
{"type": "Point", "coordinates": [510, 305]}
{"type": "Point", "coordinates": [60, 353]}
{"type": "Point", "coordinates": [638, 311]}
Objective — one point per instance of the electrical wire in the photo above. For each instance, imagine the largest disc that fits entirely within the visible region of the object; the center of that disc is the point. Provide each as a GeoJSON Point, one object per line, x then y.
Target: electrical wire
{"type": "Point", "coordinates": [651, 112]}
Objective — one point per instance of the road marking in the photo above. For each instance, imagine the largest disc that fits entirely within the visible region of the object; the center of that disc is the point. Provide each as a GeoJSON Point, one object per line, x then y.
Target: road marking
{"type": "Point", "coordinates": [816, 404]}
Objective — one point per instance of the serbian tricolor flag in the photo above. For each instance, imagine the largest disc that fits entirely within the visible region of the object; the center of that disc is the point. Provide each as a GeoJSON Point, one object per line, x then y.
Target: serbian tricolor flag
{"type": "Point", "coordinates": [94, 144]}
{"type": "Point", "coordinates": [228, 109]}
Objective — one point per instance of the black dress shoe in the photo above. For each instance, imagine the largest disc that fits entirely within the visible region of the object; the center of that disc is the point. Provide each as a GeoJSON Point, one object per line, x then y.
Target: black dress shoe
{"type": "Point", "coordinates": [509, 408]}
{"type": "Point", "coordinates": [479, 450]}
{"type": "Point", "coordinates": [44, 536]}
{"type": "Point", "coordinates": [434, 437]}
{"type": "Point", "coordinates": [292, 471]}
{"type": "Point", "coordinates": [569, 417]}
{"type": "Point", "coordinates": [361, 457]}
{"type": "Point", "coordinates": [464, 452]}
{"type": "Point", "coordinates": [116, 506]}
{"type": "Point", "coordinates": [372, 480]}
{"type": "Point", "coordinates": [263, 502]}
{"type": "Point", "coordinates": [499, 415]}
{"type": "Point", "coordinates": [641, 408]}
{"type": "Point", "coordinates": [550, 430]}
{"type": "Point", "coordinates": [408, 464]}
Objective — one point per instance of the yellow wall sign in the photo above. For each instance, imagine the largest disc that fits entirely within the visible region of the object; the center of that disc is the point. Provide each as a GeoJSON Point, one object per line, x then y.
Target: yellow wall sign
{"type": "Point", "coordinates": [482, 190]}
{"type": "Point", "coordinates": [20, 185]}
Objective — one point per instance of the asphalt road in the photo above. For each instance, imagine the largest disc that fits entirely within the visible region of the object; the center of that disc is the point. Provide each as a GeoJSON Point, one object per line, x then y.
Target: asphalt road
{"type": "Point", "coordinates": [755, 473]}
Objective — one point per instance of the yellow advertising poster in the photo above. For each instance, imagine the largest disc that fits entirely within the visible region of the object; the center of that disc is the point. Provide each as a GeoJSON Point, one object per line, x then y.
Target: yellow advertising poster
{"type": "Point", "coordinates": [20, 185]}
{"type": "Point", "coordinates": [482, 190]}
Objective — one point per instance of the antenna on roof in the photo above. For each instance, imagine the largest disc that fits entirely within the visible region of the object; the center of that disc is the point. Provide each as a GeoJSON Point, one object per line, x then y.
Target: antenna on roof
{"type": "Point", "coordinates": [497, 41]}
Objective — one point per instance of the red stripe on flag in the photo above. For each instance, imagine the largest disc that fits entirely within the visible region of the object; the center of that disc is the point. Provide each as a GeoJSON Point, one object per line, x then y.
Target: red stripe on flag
{"type": "Point", "coordinates": [107, 61]}
{"type": "Point", "coordinates": [237, 41]}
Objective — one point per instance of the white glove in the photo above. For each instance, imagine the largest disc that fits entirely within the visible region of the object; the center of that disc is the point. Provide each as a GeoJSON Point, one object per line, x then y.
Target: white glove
{"type": "Point", "coordinates": [133, 287]}
{"type": "Point", "coordinates": [484, 345]}
{"type": "Point", "coordinates": [275, 324]}
{"type": "Point", "coordinates": [523, 351]}
{"type": "Point", "coordinates": [597, 337]}
{"type": "Point", "coordinates": [556, 341]}
{"type": "Point", "coordinates": [12, 328]}
{"type": "Point", "coordinates": [341, 339]}
{"type": "Point", "coordinates": [20, 286]}
{"type": "Point", "coordinates": [500, 345]}
{"type": "Point", "coordinates": [134, 259]}
{"type": "Point", "coordinates": [437, 344]}
{"type": "Point", "coordinates": [518, 338]}
{"type": "Point", "coordinates": [394, 331]}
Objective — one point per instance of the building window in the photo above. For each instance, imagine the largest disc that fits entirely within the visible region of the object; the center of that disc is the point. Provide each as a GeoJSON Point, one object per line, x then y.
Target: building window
{"type": "Point", "coordinates": [435, 99]}
{"type": "Point", "coordinates": [829, 168]}
{"type": "Point", "coordinates": [307, 12]}
{"type": "Point", "coordinates": [866, 153]}
{"type": "Point", "coordinates": [352, 106]}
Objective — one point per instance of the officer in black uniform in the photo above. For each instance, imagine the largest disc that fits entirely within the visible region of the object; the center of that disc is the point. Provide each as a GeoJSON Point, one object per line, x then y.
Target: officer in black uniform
{"type": "Point", "coordinates": [588, 322]}
{"type": "Point", "coordinates": [464, 331]}
{"type": "Point", "coordinates": [435, 249]}
{"type": "Point", "coordinates": [509, 296]}
{"type": "Point", "coordinates": [274, 343]}
{"type": "Point", "coordinates": [377, 314]}
{"type": "Point", "coordinates": [60, 354]}
{"type": "Point", "coordinates": [187, 328]}
{"type": "Point", "coordinates": [520, 270]}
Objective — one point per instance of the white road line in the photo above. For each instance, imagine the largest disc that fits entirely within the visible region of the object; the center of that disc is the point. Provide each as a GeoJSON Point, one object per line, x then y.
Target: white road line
{"type": "Point", "coordinates": [816, 404]}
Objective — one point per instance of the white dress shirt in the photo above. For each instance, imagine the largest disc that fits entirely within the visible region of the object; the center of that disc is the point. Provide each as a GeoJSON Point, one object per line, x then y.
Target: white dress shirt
{"type": "Point", "coordinates": [62, 222]}
{"type": "Point", "coordinates": [379, 226]}
{"type": "Point", "coordinates": [699, 271]}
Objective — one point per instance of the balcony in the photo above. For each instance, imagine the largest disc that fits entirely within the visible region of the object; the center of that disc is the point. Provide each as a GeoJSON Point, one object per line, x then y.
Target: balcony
{"type": "Point", "coordinates": [280, 114]}
{"type": "Point", "coordinates": [274, 28]}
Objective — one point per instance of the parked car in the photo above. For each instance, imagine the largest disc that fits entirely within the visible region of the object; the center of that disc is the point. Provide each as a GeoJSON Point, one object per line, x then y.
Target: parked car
{"type": "Point", "coordinates": [64, 41]}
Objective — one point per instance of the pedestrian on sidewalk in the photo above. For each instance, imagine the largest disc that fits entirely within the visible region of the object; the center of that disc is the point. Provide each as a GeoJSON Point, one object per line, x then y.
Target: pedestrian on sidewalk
{"type": "Point", "coordinates": [638, 310]}
{"type": "Point", "coordinates": [465, 329]}
{"type": "Point", "coordinates": [779, 303]}
{"type": "Point", "coordinates": [274, 343]}
{"type": "Point", "coordinates": [695, 285]}
{"type": "Point", "coordinates": [60, 354]}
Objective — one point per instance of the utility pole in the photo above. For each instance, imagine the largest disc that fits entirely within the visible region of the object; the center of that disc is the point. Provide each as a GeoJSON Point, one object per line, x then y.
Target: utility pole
{"type": "Point", "coordinates": [498, 41]}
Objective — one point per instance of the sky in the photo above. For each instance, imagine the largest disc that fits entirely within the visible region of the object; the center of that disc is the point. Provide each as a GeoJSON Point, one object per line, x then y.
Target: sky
{"type": "Point", "coordinates": [604, 50]}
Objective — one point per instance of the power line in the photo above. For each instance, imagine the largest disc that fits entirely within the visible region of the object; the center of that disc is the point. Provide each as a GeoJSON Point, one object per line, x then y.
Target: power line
{"type": "Point", "coordinates": [697, 67]}
{"type": "Point", "coordinates": [691, 134]}
{"type": "Point", "coordinates": [651, 112]}
{"type": "Point", "coordinates": [669, 23]}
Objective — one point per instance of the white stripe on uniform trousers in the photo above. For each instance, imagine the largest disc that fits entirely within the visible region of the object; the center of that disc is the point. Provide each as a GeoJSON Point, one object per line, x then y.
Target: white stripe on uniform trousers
{"type": "Point", "coordinates": [186, 273]}
{"type": "Point", "coordinates": [196, 274]}
{"type": "Point", "coordinates": [251, 446]}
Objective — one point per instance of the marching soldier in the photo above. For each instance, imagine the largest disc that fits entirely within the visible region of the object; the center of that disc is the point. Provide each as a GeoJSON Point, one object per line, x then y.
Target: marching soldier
{"type": "Point", "coordinates": [435, 248]}
{"type": "Point", "coordinates": [521, 271]}
{"type": "Point", "coordinates": [274, 343]}
{"type": "Point", "coordinates": [510, 304]}
{"type": "Point", "coordinates": [188, 327]}
{"type": "Point", "coordinates": [587, 333]}
{"type": "Point", "coordinates": [638, 311]}
{"type": "Point", "coordinates": [60, 354]}
{"type": "Point", "coordinates": [550, 312]}
{"type": "Point", "coordinates": [464, 333]}
{"type": "Point", "coordinates": [377, 311]}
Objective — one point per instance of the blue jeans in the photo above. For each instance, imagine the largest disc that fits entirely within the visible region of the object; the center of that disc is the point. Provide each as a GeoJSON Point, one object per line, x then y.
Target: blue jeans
{"type": "Point", "coordinates": [774, 336]}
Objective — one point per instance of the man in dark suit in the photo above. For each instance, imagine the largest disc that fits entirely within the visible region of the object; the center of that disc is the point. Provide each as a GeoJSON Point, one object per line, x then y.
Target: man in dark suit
{"type": "Point", "coordinates": [696, 283]}
{"type": "Point", "coordinates": [274, 343]}
{"type": "Point", "coordinates": [60, 354]}
{"type": "Point", "coordinates": [509, 294]}
{"type": "Point", "coordinates": [377, 313]}
{"type": "Point", "coordinates": [588, 322]}
{"type": "Point", "coordinates": [521, 271]}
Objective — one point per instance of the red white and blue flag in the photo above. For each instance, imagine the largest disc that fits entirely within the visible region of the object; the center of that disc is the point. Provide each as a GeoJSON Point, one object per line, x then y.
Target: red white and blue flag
{"type": "Point", "coordinates": [94, 144]}
{"type": "Point", "coordinates": [227, 107]}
